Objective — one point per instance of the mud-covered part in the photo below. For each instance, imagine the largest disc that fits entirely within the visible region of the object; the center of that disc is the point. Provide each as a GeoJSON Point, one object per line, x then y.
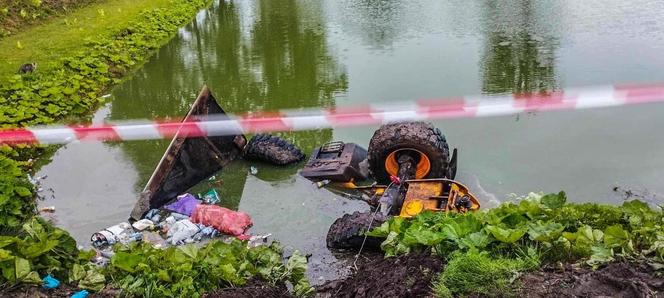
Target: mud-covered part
{"type": "Point", "coordinates": [620, 279]}
{"type": "Point", "coordinates": [348, 231]}
{"type": "Point", "coordinates": [272, 149]}
{"type": "Point", "coordinates": [420, 136]}
{"type": "Point", "coordinates": [404, 276]}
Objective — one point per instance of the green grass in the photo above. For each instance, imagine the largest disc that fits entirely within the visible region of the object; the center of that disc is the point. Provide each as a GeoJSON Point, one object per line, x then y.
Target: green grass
{"type": "Point", "coordinates": [64, 35]}
{"type": "Point", "coordinates": [480, 273]}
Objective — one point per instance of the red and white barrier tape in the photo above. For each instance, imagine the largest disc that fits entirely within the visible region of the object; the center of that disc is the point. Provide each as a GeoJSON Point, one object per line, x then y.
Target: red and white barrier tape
{"type": "Point", "coordinates": [444, 108]}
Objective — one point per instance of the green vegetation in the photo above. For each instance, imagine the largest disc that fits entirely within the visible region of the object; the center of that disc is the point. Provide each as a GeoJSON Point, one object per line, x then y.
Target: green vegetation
{"type": "Point", "coordinates": [479, 273]}
{"type": "Point", "coordinates": [141, 270]}
{"type": "Point", "coordinates": [40, 249]}
{"type": "Point", "coordinates": [17, 201]}
{"type": "Point", "coordinates": [538, 229]}
{"type": "Point", "coordinates": [189, 271]}
{"type": "Point", "coordinates": [102, 19]}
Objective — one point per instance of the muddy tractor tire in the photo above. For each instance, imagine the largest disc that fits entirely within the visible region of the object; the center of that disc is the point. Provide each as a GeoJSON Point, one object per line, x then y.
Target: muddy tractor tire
{"type": "Point", "coordinates": [420, 137]}
{"type": "Point", "coordinates": [272, 149]}
{"type": "Point", "coordinates": [347, 232]}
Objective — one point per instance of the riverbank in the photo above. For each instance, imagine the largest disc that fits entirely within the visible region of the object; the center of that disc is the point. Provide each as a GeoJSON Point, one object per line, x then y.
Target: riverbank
{"type": "Point", "coordinates": [73, 31]}
{"type": "Point", "coordinates": [84, 61]}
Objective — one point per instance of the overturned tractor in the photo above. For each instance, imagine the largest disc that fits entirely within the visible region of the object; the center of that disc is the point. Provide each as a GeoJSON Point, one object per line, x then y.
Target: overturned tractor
{"type": "Point", "coordinates": [406, 170]}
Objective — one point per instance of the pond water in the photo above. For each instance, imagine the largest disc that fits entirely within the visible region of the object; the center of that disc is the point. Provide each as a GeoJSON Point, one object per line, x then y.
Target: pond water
{"type": "Point", "coordinates": [266, 55]}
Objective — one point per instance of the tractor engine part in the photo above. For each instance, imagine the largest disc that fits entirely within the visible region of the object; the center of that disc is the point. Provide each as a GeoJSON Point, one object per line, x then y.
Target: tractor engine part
{"type": "Point", "coordinates": [272, 149]}
{"type": "Point", "coordinates": [425, 143]}
{"type": "Point", "coordinates": [337, 162]}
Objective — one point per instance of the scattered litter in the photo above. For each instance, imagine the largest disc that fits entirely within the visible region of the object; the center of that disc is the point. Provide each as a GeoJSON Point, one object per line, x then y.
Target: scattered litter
{"type": "Point", "coordinates": [223, 219]}
{"type": "Point", "coordinates": [258, 240]}
{"type": "Point", "coordinates": [205, 232]}
{"type": "Point", "coordinates": [212, 178]}
{"type": "Point", "coordinates": [184, 204]}
{"type": "Point", "coordinates": [322, 183]}
{"type": "Point", "coordinates": [154, 239]}
{"type": "Point", "coordinates": [178, 216]}
{"type": "Point", "coordinates": [80, 294]}
{"type": "Point", "coordinates": [143, 224]}
{"type": "Point", "coordinates": [211, 197]}
{"type": "Point", "coordinates": [50, 282]}
{"type": "Point", "coordinates": [110, 235]}
{"type": "Point", "coordinates": [100, 261]}
{"type": "Point", "coordinates": [253, 170]}
{"type": "Point", "coordinates": [504, 43]}
{"type": "Point", "coordinates": [127, 238]}
{"type": "Point", "coordinates": [49, 209]}
{"type": "Point", "coordinates": [153, 215]}
{"type": "Point", "coordinates": [106, 95]}
{"type": "Point", "coordinates": [181, 231]}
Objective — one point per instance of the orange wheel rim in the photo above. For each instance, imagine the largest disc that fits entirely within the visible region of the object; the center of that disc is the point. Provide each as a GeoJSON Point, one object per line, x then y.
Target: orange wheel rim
{"type": "Point", "coordinates": [422, 169]}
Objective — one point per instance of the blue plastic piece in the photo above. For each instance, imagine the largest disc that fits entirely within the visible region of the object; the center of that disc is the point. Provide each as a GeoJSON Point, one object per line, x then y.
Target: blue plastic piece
{"type": "Point", "coordinates": [80, 294]}
{"type": "Point", "coordinates": [50, 282]}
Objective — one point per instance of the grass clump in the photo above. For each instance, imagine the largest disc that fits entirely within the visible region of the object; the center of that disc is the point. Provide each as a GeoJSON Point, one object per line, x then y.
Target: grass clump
{"type": "Point", "coordinates": [477, 272]}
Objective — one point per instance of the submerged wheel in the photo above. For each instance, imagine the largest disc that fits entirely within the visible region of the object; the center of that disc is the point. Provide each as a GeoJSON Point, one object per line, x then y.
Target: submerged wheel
{"type": "Point", "coordinates": [272, 149]}
{"type": "Point", "coordinates": [348, 231]}
{"type": "Point", "coordinates": [422, 140]}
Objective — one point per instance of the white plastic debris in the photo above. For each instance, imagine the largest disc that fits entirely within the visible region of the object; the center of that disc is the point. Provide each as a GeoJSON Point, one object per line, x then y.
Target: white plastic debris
{"type": "Point", "coordinates": [143, 224]}
{"type": "Point", "coordinates": [181, 231]}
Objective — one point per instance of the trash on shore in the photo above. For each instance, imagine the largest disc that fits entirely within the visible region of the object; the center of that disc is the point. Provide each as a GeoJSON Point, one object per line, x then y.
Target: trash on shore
{"type": "Point", "coordinates": [170, 226]}
{"type": "Point", "coordinates": [80, 294]}
{"type": "Point", "coordinates": [211, 197]}
{"type": "Point", "coordinates": [49, 209]}
{"type": "Point", "coordinates": [223, 219]}
{"type": "Point", "coordinates": [50, 282]}
{"type": "Point", "coordinates": [184, 204]}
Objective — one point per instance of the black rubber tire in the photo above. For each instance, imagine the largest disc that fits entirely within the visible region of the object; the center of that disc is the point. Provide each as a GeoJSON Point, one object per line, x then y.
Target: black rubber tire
{"type": "Point", "coordinates": [347, 232]}
{"type": "Point", "coordinates": [272, 149]}
{"type": "Point", "coordinates": [417, 135]}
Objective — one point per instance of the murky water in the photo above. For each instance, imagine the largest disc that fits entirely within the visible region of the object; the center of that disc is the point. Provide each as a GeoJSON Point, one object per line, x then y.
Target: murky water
{"type": "Point", "coordinates": [266, 55]}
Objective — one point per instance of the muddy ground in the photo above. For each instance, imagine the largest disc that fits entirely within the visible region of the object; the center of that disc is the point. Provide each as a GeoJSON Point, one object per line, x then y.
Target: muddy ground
{"type": "Point", "coordinates": [403, 276]}
{"type": "Point", "coordinates": [255, 288]}
{"type": "Point", "coordinates": [620, 279]}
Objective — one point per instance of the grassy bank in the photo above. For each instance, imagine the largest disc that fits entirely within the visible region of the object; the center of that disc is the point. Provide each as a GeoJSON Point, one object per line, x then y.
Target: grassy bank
{"type": "Point", "coordinates": [17, 14]}
{"type": "Point", "coordinates": [486, 251]}
{"type": "Point", "coordinates": [60, 37]}
{"type": "Point", "coordinates": [79, 72]}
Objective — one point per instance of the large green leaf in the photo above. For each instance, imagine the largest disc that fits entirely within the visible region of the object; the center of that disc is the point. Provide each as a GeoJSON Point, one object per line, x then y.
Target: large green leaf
{"type": "Point", "coordinates": [545, 231]}
{"type": "Point", "coordinates": [506, 235]}
{"type": "Point", "coordinates": [554, 201]}
{"type": "Point", "coordinates": [616, 237]}
{"type": "Point", "coordinates": [126, 261]}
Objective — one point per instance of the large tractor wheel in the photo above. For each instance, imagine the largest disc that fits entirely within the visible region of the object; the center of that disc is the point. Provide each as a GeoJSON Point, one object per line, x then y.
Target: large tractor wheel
{"type": "Point", "coordinates": [272, 149]}
{"type": "Point", "coordinates": [419, 139]}
{"type": "Point", "coordinates": [348, 231]}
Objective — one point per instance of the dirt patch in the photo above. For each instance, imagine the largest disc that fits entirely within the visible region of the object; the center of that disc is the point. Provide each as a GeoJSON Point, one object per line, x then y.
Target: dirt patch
{"type": "Point", "coordinates": [621, 279]}
{"type": "Point", "coordinates": [403, 276]}
{"type": "Point", "coordinates": [254, 288]}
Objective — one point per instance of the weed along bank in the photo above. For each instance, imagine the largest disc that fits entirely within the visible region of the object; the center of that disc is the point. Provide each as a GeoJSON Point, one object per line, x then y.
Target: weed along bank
{"type": "Point", "coordinates": [221, 148]}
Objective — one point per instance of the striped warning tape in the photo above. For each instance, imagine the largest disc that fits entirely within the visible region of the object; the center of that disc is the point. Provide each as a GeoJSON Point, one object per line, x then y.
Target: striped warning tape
{"type": "Point", "coordinates": [295, 120]}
